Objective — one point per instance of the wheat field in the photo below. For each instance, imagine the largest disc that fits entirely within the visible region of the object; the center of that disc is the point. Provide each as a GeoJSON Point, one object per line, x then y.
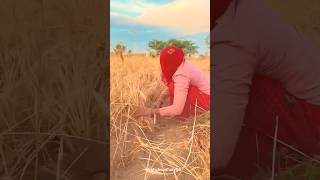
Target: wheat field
{"type": "Point", "coordinates": [53, 97]}
{"type": "Point", "coordinates": [52, 87]}
{"type": "Point", "coordinates": [141, 147]}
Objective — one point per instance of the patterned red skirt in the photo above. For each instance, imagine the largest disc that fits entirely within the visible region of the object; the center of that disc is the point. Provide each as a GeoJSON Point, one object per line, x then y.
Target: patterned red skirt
{"type": "Point", "coordinates": [194, 98]}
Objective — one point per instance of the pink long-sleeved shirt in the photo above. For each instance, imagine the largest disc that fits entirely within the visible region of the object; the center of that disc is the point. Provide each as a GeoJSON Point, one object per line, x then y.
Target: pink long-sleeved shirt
{"type": "Point", "coordinates": [250, 40]}
{"type": "Point", "coordinates": [187, 74]}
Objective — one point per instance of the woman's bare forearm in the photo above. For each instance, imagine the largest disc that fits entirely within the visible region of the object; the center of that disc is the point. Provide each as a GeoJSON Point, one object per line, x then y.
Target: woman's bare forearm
{"type": "Point", "coordinates": [164, 93]}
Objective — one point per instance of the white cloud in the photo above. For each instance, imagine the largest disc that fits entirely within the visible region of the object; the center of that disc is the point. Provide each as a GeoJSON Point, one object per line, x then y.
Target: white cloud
{"type": "Point", "coordinates": [129, 6]}
{"type": "Point", "coordinates": [186, 16]}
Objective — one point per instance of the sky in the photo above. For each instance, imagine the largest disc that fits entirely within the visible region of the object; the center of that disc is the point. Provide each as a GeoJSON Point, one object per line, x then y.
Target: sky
{"type": "Point", "coordinates": [136, 22]}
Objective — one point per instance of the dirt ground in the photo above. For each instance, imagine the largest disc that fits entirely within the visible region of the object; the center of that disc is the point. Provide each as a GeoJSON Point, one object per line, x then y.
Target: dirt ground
{"type": "Point", "coordinates": [165, 129]}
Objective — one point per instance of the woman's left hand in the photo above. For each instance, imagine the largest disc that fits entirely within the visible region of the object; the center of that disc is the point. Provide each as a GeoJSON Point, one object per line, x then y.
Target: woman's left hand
{"type": "Point", "coordinates": [157, 104]}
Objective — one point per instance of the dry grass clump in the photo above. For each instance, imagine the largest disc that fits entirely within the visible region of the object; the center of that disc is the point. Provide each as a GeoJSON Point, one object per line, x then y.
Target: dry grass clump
{"type": "Point", "coordinates": [52, 85]}
{"type": "Point", "coordinates": [131, 83]}
{"type": "Point", "coordinates": [188, 152]}
{"type": "Point", "coordinates": [134, 83]}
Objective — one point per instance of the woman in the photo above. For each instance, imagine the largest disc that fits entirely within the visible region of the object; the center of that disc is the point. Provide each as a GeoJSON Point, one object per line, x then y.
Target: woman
{"type": "Point", "coordinates": [266, 82]}
{"type": "Point", "coordinates": [187, 86]}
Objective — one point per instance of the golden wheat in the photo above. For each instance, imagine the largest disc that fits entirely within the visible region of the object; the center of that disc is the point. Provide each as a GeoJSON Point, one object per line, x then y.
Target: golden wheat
{"type": "Point", "coordinates": [52, 84]}
{"type": "Point", "coordinates": [136, 82]}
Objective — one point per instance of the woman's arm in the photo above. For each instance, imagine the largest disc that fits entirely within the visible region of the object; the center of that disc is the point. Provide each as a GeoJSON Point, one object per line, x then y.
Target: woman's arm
{"type": "Point", "coordinates": [181, 87]}
{"type": "Point", "coordinates": [232, 73]}
{"type": "Point", "coordinates": [164, 94]}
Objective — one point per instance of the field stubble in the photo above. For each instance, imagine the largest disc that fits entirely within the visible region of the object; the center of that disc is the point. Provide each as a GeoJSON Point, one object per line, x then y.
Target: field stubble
{"type": "Point", "coordinates": [52, 88]}
{"type": "Point", "coordinates": [151, 148]}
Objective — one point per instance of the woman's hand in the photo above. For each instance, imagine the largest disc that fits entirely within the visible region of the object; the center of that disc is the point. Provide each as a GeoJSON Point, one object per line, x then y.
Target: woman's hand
{"type": "Point", "coordinates": [158, 103]}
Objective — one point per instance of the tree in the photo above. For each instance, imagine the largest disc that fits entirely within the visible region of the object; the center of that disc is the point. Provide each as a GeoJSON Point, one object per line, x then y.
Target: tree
{"type": "Point", "coordinates": [157, 46]}
{"type": "Point", "coordinates": [129, 52]}
{"type": "Point", "coordinates": [178, 43]}
{"type": "Point", "coordinates": [188, 47]}
{"type": "Point", "coordinates": [119, 49]}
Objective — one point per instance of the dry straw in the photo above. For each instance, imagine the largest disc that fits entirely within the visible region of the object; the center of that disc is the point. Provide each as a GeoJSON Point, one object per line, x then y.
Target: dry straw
{"type": "Point", "coordinates": [52, 83]}
{"type": "Point", "coordinates": [136, 82]}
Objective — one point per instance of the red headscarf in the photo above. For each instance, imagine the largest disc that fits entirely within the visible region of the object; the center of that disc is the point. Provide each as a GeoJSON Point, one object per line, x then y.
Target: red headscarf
{"type": "Point", "coordinates": [170, 59]}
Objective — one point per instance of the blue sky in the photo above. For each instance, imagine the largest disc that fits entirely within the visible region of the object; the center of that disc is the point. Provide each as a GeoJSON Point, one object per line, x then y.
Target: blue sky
{"type": "Point", "coordinates": [136, 22]}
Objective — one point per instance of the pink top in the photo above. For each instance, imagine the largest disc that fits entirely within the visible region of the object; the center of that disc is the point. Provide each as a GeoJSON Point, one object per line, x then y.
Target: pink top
{"type": "Point", "coordinates": [187, 74]}
{"type": "Point", "coordinates": [254, 40]}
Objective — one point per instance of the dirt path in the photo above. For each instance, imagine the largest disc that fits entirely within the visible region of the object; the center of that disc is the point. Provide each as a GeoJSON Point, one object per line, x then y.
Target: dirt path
{"type": "Point", "coordinates": [164, 130]}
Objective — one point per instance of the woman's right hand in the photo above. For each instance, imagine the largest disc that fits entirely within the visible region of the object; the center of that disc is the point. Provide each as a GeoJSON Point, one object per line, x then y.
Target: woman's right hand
{"type": "Point", "coordinates": [157, 104]}
{"type": "Point", "coordinates": [159, 101]}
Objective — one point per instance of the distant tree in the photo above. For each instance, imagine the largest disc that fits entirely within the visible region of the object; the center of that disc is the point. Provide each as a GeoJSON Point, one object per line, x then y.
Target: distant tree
{"type": "Point", "coordinates": [188, 47]}
{"type": "Point", "coordinates": [157, 46]}
{"type": "Point", "coordinates": [119, 49]}
{"type": "Point", "coordinates": [178, 43]}
{"type": "Point", "coordinates": [129, 52]}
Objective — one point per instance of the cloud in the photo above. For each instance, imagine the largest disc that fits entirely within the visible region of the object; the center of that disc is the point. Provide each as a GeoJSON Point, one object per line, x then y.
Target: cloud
{"type": "Point", "coordinates": [185, 16]}
{"type": "Point", "coordinates": [129, 8]}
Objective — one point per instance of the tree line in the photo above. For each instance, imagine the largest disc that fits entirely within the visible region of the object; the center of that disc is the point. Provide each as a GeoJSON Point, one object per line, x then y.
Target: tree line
{"type": "Point", "coordinates": [155, 47]}
{"type": "Point", "coordinates": [188, 47]}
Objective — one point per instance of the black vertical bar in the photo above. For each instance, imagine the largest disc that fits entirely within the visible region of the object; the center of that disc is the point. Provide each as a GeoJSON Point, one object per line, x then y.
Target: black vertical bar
{"type": "Point", "coordinates": [107, 58]}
